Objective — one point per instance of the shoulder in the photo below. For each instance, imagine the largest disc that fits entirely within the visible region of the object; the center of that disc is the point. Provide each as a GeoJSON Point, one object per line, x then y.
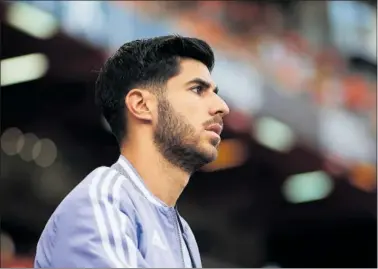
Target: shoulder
{"type": "Point", "coordinates": [94, 214]}
{"type": "Point", "coordinates": [102, 190]}
{"type": "Point", "coordinates": [186, 227]}
{"type": "Point", "coordinates": [80, 212]}
{"type": "Point", "coordinates": [100, 197]}
{"type": "Point", "coordinates": [188, 232]}
{"type": "Point", "coordinates": [191, 239]}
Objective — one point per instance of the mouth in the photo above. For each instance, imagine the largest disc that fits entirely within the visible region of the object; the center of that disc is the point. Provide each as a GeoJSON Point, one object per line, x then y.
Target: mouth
{"type": "Point", "coordinates": [216, 128]}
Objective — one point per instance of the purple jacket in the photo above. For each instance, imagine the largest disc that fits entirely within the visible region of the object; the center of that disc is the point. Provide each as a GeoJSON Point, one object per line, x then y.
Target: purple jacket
{"type": "Point", "coordinates": [112, 220]}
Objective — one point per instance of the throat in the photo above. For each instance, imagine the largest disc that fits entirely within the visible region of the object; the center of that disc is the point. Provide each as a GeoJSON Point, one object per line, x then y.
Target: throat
{"type": "Point", "coordinates": [170, 184]}
{"type": "Point", "coordinates": [164, 180]}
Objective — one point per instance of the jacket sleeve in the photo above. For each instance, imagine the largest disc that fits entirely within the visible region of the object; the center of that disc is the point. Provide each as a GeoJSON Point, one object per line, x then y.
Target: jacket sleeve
{"type": "Point", "coordinates": [99, 231]}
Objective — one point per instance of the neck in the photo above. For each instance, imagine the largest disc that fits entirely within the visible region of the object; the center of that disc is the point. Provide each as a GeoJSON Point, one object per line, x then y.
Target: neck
{"type": "Point", "coordinates": [163, 180]}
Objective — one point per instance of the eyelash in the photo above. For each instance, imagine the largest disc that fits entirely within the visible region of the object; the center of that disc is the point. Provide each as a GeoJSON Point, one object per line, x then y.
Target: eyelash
{"type": "Point", "coordinates": [199, 89]}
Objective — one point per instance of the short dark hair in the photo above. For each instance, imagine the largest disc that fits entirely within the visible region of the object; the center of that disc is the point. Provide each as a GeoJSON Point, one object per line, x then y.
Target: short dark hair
{"type": "Point", "coordinates": [143, 63]}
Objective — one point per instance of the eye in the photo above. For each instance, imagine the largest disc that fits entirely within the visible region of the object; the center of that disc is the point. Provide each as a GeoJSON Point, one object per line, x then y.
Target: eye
{"type": "Point", "coordinates": [198, 89]}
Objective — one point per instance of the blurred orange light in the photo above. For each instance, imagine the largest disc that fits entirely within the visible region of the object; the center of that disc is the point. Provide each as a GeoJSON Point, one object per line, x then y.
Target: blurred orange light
{"type": "Point", "coordinates": [231, 153]}
{"type": "Point", "coordinates": [364, 177]}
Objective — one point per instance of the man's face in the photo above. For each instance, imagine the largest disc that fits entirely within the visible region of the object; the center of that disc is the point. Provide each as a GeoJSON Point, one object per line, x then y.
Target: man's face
{"type": "Point", "coordinates": [189, 118]}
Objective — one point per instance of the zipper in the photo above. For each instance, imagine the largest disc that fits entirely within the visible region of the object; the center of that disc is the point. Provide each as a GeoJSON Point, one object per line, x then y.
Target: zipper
{"type": "Point", "coordinates": [174, 215]}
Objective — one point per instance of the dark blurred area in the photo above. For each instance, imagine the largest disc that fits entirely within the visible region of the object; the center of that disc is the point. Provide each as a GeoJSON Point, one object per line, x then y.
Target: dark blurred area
{"type": "Point", "coordinates": [295, 181]}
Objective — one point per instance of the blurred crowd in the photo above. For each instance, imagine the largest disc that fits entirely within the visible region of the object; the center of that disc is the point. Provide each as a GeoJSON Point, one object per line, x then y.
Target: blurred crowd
{"type": "Point", "coordinates": [267, 37]}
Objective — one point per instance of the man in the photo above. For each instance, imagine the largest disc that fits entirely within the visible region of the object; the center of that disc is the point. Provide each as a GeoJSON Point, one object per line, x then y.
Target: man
{"type": "Point", "coordinates": [159, 98]}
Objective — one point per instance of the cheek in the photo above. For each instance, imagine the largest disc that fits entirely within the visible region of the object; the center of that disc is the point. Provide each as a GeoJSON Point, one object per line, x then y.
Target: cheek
{"type": "Point", "coordinates": [187, 104]}
{"type": "Point", "coordinates": [195, 118]}
{"type": "Point", "coordinates": [190, 109]}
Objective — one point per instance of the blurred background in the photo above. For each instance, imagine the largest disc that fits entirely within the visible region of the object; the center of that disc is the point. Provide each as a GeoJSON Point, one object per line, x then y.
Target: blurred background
{"type": "Point", "coordinates": [295, 181]}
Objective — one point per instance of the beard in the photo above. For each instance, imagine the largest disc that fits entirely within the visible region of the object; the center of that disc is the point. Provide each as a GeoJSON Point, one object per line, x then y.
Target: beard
{"type": "Point", "coordinates": [178, 141]}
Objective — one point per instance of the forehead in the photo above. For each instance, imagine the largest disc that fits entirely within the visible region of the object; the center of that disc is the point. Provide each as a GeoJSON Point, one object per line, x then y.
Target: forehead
{"type": "Point", "coordinates": [191, 69]}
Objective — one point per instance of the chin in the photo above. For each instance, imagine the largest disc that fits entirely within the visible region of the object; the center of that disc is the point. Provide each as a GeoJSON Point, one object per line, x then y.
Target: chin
{"type": "Point", "coordinates": [214, 156]}
{"type": "Point", "coordinates": [210, 152]}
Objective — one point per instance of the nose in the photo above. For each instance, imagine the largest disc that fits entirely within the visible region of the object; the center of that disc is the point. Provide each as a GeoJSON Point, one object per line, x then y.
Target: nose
{"type": "Point", "coordinates": [220, 107]}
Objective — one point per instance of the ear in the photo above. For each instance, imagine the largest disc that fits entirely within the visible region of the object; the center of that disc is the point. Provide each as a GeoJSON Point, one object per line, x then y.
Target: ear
{"type": "Point", "coordinates": [139, 104]}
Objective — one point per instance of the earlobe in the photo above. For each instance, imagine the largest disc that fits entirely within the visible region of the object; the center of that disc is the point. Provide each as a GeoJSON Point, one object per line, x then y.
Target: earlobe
{"type": "Point", "coordinates": [136, 102]}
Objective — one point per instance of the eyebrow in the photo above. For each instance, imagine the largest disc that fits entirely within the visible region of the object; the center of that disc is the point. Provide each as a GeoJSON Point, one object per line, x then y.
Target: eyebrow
{"type": "Point", "coordinates": [203, 83]}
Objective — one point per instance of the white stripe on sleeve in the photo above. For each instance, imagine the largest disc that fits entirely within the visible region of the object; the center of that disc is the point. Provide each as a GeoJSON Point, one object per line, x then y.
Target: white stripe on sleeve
{"type": "Point", "coordinates": [102, 181]}
{"type": "Point", "coordinates": [132, 251]}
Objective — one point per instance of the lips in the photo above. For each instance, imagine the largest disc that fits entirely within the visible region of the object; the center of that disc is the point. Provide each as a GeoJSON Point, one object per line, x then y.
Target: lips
{"type": "Point", "coordinates": [216, 128]}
